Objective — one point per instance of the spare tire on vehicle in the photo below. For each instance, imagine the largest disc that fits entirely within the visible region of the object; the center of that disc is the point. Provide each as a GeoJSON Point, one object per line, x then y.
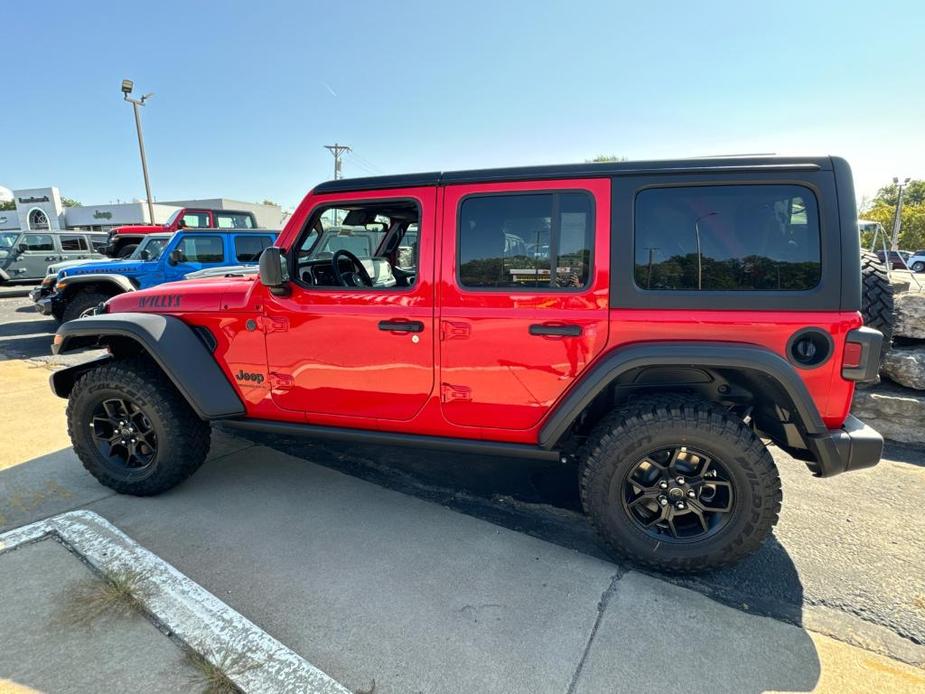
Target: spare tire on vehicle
{"type": "Point", "coordinates": [877, 298]}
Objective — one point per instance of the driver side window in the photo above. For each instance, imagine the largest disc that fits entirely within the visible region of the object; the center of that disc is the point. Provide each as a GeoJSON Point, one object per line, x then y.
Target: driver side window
{"type": "Point", "coordinates": [362, 245]}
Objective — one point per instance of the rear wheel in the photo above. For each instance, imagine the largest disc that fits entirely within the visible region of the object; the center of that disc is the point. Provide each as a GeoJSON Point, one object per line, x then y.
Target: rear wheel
{"type": "Point", "coordinates": [679, 485]}
{"type": "Point", "coordinates": [132, 430]}
{"type": "Point", "coordinates": [877, 298]}
{"type": "Point", "coordinates": [82, 304]}
{"type": "Point", "coordinates": [918, 266]}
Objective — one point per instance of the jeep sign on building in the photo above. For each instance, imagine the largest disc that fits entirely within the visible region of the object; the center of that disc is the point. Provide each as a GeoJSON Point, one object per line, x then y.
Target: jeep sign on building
{"type": "Point", "coordinates": [41, 208]}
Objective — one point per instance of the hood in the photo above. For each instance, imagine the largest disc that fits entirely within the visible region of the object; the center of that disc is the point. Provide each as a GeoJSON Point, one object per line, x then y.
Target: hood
{"type": "Point", "coordinates": [118, 267]}
{"type": "Point", "coordinates": [55, 267]}
{"type": "Point", "coordinates": [138, 229]}
{"type": "Point", "coordinates": [223, 294]}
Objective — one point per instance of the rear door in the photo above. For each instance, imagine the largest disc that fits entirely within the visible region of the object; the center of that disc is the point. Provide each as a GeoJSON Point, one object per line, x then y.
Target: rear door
{"type": "Point", "coordinates": [523, 305]}
{"type": "Point", "coordinates": [74, 246]}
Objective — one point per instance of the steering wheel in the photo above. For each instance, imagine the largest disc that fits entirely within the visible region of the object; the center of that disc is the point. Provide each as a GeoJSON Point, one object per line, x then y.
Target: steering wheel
{"type": "Point", "coordinates": [357, 278]}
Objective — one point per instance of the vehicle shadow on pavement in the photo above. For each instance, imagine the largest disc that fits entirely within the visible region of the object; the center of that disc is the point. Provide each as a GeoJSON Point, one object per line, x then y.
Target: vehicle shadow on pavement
{"type": "Point", "coordinates": [373, 585]}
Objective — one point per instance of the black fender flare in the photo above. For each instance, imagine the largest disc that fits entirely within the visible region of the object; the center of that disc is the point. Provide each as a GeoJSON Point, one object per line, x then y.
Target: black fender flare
{"type": "Point", "coordinates": [734, 356]}
{"type": "Point", "coordinates": [173, 345]}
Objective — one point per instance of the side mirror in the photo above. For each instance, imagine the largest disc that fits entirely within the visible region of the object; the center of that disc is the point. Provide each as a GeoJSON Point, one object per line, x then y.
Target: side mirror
{"type": "Point", "coordinates": [145, 255]}
{"type": "Point", "coordinates": [175, 257]}
{"type": "Point", "coordinates": [273, 274]}
{"type": "Point", "coordinates": [22, 248]}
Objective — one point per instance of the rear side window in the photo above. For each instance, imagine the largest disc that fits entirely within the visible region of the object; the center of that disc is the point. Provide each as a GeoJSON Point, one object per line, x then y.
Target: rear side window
{"type": "Point", "coordinates": [233, 220]}
{"type": "Point", "coordinates": [196, 220]}
{"type": "Point", "coordinates": [73, 243]}
{"type": "Point", "coordinates": [526, 241]}
{"type": "Point", "coordinates": [201, 249]}
{"type": "Point", "coordinates": [727, 238]}
{"type": "Point", "coordinates": [248, 248]}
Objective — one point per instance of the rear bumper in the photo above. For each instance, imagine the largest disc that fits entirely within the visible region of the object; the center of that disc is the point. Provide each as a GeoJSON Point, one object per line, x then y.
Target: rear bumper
{"type": "Point", "coordinates": [853, 447]}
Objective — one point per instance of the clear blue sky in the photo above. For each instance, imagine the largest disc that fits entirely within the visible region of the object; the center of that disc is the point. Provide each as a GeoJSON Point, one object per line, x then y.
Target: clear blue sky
{"type": "Point", "coordinates": [248, 92]}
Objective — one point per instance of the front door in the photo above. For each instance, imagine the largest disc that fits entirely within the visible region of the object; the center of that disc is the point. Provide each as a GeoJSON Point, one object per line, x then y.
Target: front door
{"type": "Point", "coordinates": [524, 297]}
{"type": "Point", "coordinates": [338, 349]}
{"type": "Point", "coordinates": [32, 254]}
{"type": "Point", "coordinates": [196, 251]}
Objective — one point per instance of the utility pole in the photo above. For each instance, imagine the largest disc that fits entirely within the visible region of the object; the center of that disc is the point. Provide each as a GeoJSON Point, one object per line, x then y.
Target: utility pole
{"type": "Point", "coordinates": [127, 86]}
{"type": "Point", "coordinates": [337, 150]}
{"type": "Point", "coordinates": [897, 219]}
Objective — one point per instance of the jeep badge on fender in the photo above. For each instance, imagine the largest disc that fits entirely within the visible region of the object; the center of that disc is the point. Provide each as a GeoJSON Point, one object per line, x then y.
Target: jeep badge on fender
{"type": "Point", "coordinates": [650, 324]}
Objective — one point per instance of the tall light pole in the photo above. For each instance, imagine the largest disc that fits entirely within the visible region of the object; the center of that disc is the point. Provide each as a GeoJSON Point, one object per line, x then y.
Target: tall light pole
{"type": "Point", "coordinates": [897, 219]}
{"type": "Point", "coordinates": [127, 86]}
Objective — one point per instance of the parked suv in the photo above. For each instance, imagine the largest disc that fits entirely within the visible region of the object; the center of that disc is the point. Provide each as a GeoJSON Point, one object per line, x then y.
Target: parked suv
{"type": "Point", "coordinates": [123, 240]}
{"type": "Point", "coordinates": [79, 290]}
{"type": "Point", "coordinates": [28, 254]}
{"type": "Point", "coordinates": [652, 324]}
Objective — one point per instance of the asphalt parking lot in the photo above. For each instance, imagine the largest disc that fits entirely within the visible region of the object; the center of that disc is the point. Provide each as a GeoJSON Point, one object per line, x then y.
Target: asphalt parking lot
{"type": "Point", "coordinates": [845, 559]}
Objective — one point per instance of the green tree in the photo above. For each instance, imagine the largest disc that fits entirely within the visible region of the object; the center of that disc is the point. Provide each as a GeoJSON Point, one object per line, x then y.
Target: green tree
{"type": "Point", "coordinates": [913, 194]}
{"type": "Point", "coordinates": [911, 229]}
{"type": "Point", "coordinates": [70, 202]}
{"type": "Point", "coordinates": [7, 205]}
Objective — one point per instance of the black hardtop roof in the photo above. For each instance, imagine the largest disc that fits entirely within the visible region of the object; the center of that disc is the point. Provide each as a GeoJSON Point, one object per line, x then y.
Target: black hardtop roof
{"type": "Point", "coordinates": [587, 170]}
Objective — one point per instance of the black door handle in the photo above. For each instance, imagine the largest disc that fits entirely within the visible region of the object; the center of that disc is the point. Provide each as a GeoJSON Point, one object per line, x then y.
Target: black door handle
{"type": "Point", "coordinates": [401, 326]}
{"type": "Point", "coordinates": [558, 330]}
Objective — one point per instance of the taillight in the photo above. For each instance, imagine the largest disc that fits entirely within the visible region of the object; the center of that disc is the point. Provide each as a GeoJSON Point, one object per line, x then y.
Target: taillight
{"type": "Point", "coordinates": [854, 352]}
{"type": "Point", "coordinates": [861, 356]}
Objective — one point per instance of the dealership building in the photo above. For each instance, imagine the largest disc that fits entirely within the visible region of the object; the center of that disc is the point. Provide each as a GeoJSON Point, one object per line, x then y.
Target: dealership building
{"type": "Point", "coordinates": [40, 209]}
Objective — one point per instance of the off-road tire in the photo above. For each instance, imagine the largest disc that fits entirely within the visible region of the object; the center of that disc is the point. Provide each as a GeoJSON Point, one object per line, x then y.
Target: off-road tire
{"type": "Point", "coordinates": [877, 298]}
{"type": "Point", "coordinates": [630, 433]}
{"type": "Point", "coordinates": [183, 438]}
{"type": "Point", "coordinates": [126, 250]}
{"type": "Point", "coordinates": [80, 302]}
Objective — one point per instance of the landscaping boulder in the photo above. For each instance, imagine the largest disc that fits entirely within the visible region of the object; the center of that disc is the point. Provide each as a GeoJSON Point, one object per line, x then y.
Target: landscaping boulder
{"type": "Point", "coordinates": [906, 366]}
{"type": "Point", "coordinates": [909, 315]}
{"type": "Point", "coordinates": [897, 413]}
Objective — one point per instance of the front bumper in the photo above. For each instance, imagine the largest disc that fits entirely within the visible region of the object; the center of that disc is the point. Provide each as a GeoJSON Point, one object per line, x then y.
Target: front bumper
{"type": "Point", "coordinates": [853, 447]}
{"type": "Point", "coordinates": [35, 295]}
{"type": "Point", "coordinates": [45, 306]}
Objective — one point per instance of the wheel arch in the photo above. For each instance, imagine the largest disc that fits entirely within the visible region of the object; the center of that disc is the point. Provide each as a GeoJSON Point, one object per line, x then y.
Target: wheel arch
{"type": "Point", "coordinates": [173, 346]}
{"type": "Point", "coordinates": [103, 282]}
{"type": "Point", "coordinates": [782, 406]}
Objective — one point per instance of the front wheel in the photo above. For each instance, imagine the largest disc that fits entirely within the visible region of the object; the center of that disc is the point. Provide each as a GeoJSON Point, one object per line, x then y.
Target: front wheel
{"type": "Point", "coordinates": [918, 266]}
{"type": "Point", "coordinates": [132, 430]}
{"type": "Point", "coordinates": [83, 304]}
{"type": "Point", "coordinates": [679, 484]}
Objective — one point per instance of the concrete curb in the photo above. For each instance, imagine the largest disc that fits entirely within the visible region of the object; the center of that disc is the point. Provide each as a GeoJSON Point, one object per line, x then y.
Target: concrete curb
{"type": "Point", "coordinates": [181, 606]}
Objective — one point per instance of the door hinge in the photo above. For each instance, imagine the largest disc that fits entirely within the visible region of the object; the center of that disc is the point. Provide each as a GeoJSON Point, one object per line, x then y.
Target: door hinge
{"type": "Point", "coordinates": [280, 381]}
{"type": "Point", "coordinates": [454, 330]}
{"type": "Point", "coordinates": [451, 393]}
{"type": "Point", "coordinates": [273, 324]}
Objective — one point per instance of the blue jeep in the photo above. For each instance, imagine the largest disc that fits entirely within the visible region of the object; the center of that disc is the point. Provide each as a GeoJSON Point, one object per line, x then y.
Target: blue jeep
{"type": "Point", "coordinates": [80, 289]}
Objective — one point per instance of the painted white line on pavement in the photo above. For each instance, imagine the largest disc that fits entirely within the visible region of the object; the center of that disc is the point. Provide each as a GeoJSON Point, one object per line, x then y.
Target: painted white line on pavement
{"type": "Point", "coordinates": [186, 609]}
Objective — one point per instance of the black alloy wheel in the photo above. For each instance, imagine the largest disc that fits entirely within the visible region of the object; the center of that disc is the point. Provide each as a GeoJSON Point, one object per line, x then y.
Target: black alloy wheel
{"type": "Point", "coordinates": [678, 495]}
{"type": "Point", "coordinates": [124, 436]}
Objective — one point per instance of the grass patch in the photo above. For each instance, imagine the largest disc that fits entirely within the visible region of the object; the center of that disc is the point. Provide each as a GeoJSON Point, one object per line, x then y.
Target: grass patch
{"type": "Point", "coordinates": [117, 594]}
{"type": "Point", "coordinates": [215, 678]}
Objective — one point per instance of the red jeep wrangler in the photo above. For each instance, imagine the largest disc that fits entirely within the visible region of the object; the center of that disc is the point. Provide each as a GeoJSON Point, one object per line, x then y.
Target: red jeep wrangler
{"type": "Point", "coordinates": [655, 322]}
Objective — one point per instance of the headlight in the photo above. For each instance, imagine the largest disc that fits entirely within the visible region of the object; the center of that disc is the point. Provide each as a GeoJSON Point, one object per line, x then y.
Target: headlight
{"type": "Point", "coordinates": [48, 281]}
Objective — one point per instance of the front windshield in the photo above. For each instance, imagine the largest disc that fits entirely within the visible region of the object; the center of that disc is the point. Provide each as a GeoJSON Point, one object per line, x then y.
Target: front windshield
{"type": "Point", "coordinates": [150, 249]}
{"type": "Point", "coordinates": [172, 218]}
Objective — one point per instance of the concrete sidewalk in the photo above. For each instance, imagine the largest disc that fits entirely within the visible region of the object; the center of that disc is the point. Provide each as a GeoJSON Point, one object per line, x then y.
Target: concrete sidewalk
{"type": "Point", "coordinates": [373, 586]}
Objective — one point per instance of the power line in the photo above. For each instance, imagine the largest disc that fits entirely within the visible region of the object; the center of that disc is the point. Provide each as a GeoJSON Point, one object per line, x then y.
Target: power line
{"type": "Point", "coordinates": [337, 150]}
